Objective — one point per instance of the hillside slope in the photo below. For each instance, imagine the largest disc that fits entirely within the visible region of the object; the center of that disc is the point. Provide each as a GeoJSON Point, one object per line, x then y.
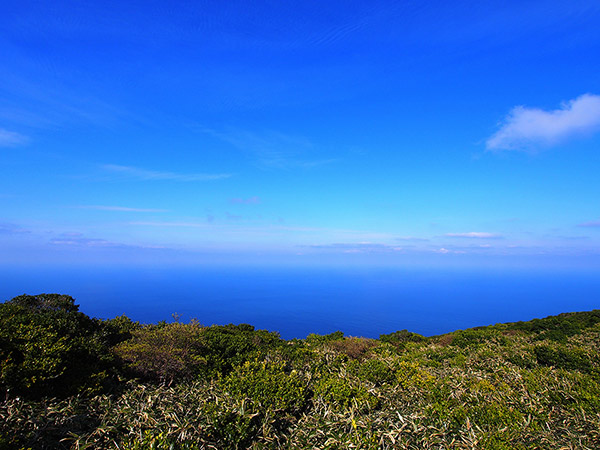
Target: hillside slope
{"type": "Point", "coordinates": [520, 385]}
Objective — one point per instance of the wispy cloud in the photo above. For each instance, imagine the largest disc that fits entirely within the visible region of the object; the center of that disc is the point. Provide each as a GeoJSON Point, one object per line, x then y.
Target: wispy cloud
{"type": "Point", "coordinates": [11, 139]}
{"type": "Point", "coordinates": [591, 224]}
{"type": "Point", "coordinates": [79, 240]}
{"type": "Point", "coordinates": [526, 128]}
{"type": "Point", "coordinates": [361, 247]}
{"type": "Point", "coordinates": [119, 208]}
{"type": "Point", "coordinates": [11, 228]}
{"type": "Point", "coordinates": [82, 241]}
{"type": "Point", "coordinates": [174, 224]}
{"type": "Point", "coordinates": [236, 217]}
{"type": "Point", "coordinates": [273, 149]}
{"type": "Point", "coordinates": [154, 175]}
{"type": "Point", "coordinates": [474, 235]}
{"type": "Point", "coordinates": [445, 251]}
{"type": "Point", "coordinates": [245, 201]}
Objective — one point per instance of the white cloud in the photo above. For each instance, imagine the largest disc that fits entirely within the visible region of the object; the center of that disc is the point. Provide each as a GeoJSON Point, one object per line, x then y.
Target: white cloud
{"type": "Point", "coordinates": [526, 128]}
{"type": "Point", "coordinates": [144, 174]}
{"type": "Point", "coordinates": [445, 251]}
{"type": "Point", "coordinates": [11, 139]}
{"type": "Point", "coordinates": [474, 235]}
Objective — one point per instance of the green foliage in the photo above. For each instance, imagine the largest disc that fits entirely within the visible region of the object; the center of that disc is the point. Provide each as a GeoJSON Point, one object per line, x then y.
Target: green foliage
{"type": "Point", "coordinates": [175, 352]}
{"type": "Point", "coordinates": [342, 393]}
{"type": "Point", "coordinates": [353, 347]}
{"type": "Point", "coordinates": [48, 347]}
{"type": "Point", "coordinates": [563, 358]}
{"type": "Point", "coordinates": [494, 388]}
{"type": "Point", "coordinates": [320, 339]}
{"type": "Point", "coordinates": [118, 329]}
{"type": "Point", "coordinates": [401, 337]}
{"type": "Point", "coordinates": [560, 327]}
{"type": "Point", "coordinates": [266, 386]}
{"type": "Point", "coordinates": [168, 353]}
{"type": "Point", "coordinates": [45, 302]}
{"type": "Point", "coordinates": [373, 370]}
{"type": "Point", "coordinates": [410, 375]}
{"type": "Point", "coordinates": [232, 345]}
{"type": "Point", "coordinates": [475, 336]}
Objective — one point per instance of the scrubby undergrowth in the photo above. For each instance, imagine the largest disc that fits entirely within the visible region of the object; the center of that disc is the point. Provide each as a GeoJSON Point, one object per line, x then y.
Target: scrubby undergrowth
{"type": "Point", "coordinates": [69, 381]}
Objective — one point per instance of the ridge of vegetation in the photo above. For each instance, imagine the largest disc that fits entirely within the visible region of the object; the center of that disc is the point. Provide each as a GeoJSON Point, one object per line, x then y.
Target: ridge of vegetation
{"type": "Point", "coordinates": [69, 381]}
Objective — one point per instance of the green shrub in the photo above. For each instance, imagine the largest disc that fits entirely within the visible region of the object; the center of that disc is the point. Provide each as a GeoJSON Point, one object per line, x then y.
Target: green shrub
{"type": "Point", "coordinates": [474, 336]}
{"type": "Point", "coordinates": [373, 370]}
{"type": "Point", "coordinates": [353, 347]}
{"type": "Point", "coordinates": [267, 386]}
{"type": "Point", "coordinates": [168, 353]}
{"type": "Point", "coordinates": [563, 357]}
{"type": "Point", "coordinates": [341, 393]}
{"type": "Point", "coordinates": [410, 375]}
{"type": "Point", "coordinates": [231, 345]}
{"type": "Point", "coordinates": [320, 339]}
{"type": "Point", "coordinates": [117, 330]}
{"type": "Point", "coordinates": [401, 337]}
{"type": "Point", "coordinates": [49, 348]}
{"type": "Point", "coordinates": [561, 326]}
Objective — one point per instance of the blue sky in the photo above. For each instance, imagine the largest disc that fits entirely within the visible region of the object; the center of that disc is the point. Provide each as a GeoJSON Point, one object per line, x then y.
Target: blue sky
{"type": "Point", "coordinates": [390, 132]}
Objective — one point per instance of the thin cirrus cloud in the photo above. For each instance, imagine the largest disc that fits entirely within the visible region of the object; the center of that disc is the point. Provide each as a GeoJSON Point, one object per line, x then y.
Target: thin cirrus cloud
{"type": "Point", "coordinates": [591, 224]}
{"type": "Point", "coordinates": [11, 139]}
{"type": "Point", "coordinates": [529, 128]}
{"type": "Point", "coordinates": [274, 149]}
{"type": "Point", "coordinates": [12, 229]}
{"type": "Point", "coordinates": [171, 224]}
{"type": "Point", "coordinates": [245, 201]}
{"type": "Point", "coordinates": [474, 235]}
{"type": "Point", "coordinates": [154, 175]}
{"type": "Point", "coordinates": [79, 240]}
{"type": "Point", "coordinates": [120, 208]}
{"type": "Point", "coordinates": [360, 247]}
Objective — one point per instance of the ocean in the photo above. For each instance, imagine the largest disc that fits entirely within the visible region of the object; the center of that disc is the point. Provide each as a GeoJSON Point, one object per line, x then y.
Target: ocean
{"type": "Point", "coordinates": [297, 301]}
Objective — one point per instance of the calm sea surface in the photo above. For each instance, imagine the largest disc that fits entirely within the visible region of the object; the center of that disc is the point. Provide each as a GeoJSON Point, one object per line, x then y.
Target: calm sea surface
{"type": "Point", "coordinates": [295, 302]}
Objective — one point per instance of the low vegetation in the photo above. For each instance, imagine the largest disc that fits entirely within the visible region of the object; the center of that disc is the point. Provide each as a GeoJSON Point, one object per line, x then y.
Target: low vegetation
{"type": "Point", "coordinates": [69, 381]}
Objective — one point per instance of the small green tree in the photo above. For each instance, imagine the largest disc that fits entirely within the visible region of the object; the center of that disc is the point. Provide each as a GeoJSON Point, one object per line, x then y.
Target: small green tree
{"type": "Point", "coordinates": [49, 347]}
{"type": "Point", "coordinates": [167, 353]}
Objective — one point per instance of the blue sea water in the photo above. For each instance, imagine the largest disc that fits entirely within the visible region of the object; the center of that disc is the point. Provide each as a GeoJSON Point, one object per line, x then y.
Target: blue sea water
{"type": "Point", "coordinates": [298, 301]}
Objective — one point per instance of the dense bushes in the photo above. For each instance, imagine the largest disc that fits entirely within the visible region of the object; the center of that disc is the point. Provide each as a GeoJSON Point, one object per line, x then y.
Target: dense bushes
{"type": "Point", "coordinates": [186, 386]}
{"type": "Point", "coordinates": [232, 345]}
{"type": "Point", "coordinates": [167, 353]}
{"type": "Point", "coordinates": [267, 386]}
{"type": "Point", "coordinates": [401, 337]}
{"type": "Point", "coordinates": [341, 393]}
{"type": "Point", "coordinates": [559, 327]}
{"type": "Point", "coordinates": [563, 358]}
{"type": "Point", "coordinates": [50, 348]}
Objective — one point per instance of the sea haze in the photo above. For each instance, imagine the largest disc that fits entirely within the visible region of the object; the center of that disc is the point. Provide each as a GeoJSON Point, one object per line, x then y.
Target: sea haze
{"type": "Point", "coordinates": [299, 301]}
